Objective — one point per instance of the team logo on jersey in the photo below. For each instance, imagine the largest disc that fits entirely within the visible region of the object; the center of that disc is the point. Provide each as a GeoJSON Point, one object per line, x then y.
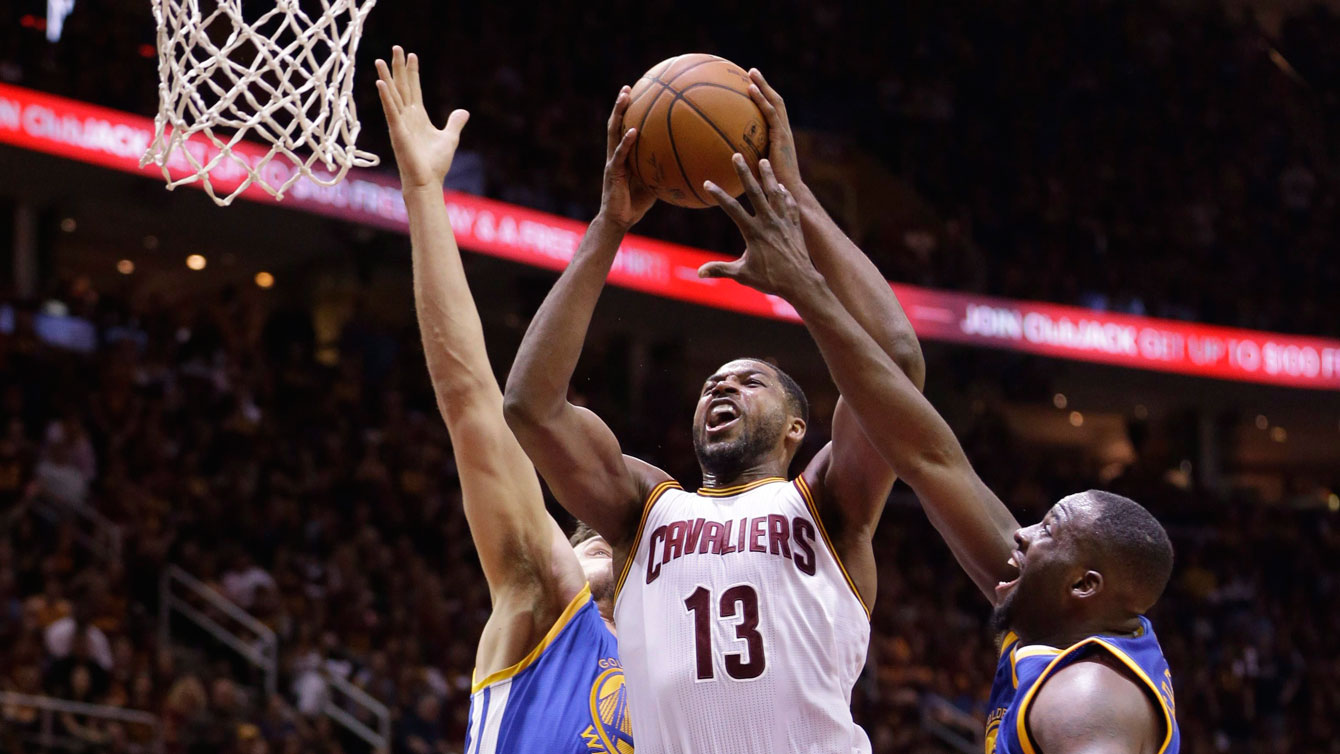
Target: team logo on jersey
{"type": "Point", "coordinates": [993, 729]}
{"type": "Point", "coordinates": [611, 731]}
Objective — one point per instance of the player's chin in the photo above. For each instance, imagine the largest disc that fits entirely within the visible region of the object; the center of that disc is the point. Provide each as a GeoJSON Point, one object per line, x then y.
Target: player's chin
{"type": "Point", "coordinates": [602, 582]}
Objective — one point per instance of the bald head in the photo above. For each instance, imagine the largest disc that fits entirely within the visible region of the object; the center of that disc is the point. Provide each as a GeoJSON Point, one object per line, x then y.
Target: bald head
{"type": "Point", "coordinates": [1125, 543]}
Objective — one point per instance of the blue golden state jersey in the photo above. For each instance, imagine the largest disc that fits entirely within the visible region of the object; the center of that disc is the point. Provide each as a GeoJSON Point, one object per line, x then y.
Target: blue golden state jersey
{"type": "Point", "coordinates": [566, 697]}
{"type": "Point", "coordinates": [1023, 669]}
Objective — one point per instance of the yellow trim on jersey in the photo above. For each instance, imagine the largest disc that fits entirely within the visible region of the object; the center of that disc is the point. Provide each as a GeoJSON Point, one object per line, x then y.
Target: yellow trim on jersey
{"type": "Point", "coordinates": [1009, 638]}
{"type": "Point", "coordinates": [1019, 653]}
{"type": "Point", "coordinates": [737, 489]}
{"type": "Point", "coordinates": [814, 511]}
{"type": "Point", "coordinates": [652, 497]}
{"type": "Point", "coordinates": [1020, 723]}
{"type": "Point", "coordinates": [564, 618]}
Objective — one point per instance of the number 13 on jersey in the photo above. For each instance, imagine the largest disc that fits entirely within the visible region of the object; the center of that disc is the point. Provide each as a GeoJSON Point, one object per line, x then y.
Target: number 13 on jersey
{"type": "Point", "coordinates": [738, 602]}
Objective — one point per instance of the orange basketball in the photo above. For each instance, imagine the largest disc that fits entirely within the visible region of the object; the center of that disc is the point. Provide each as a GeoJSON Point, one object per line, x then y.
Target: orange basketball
{"type": "Point", "coordinates": [692, 112]}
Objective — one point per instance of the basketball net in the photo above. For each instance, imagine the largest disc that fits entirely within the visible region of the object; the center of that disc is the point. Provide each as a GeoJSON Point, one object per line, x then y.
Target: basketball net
{"type": "Point", "coordinates": [285, 78]}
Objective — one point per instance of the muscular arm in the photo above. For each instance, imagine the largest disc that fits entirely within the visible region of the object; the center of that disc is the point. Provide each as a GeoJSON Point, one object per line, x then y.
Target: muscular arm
{"type": "Point", "coordinates": [849, 475]}
{"type": "Point", "coordinates": [519, 544]}
{"type": "Point", "coordinates": [914, 439]}
{"type": "Point", "coordinates": [1093, 708]}
{"type": "Point", "coordinates": [901, 424]}
{"type": "Point", "coordinates": [574, 449]}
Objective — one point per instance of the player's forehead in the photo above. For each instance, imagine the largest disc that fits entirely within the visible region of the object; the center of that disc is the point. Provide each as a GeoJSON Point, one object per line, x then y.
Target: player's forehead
{"type": "Point", "coordinates": [1072, 512]}
{"type": "Point", "coordinates": [740, 368]}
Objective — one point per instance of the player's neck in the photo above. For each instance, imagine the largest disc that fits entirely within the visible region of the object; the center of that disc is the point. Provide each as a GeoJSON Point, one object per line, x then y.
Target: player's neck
{"type": "Point", "coordinates": [735, 478]}
{"type": "Point", "coordinates": [1070, 635]}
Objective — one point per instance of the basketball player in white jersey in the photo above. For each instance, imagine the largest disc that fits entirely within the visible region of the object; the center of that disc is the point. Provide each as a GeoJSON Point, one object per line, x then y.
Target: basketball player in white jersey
{"type": "Point", "coordinates": [743, 609]}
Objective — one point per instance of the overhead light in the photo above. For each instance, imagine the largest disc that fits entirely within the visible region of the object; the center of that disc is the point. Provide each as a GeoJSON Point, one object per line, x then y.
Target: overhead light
{"type": "Point", "coordinates": [1333, 502]}
{"type": "Point", "coordinates": [196, 262]}
{"type": "Point", "coordinates": [68, 225]}
{"type": "Point", "coordinates": [1141, 412]}
{"type": "Point", "coordinates": [264, 279]}
{"type": "Point", "coordinates": [1076, 419]}
{"type": "Point", "coordinates": [1262, 422]}
{"type": "Point", "coordinates": [1059, 400]}
{"type": "Point", "coordinates": [125, 267]}
{"type": "Point", "coordinates": [1278, 434]}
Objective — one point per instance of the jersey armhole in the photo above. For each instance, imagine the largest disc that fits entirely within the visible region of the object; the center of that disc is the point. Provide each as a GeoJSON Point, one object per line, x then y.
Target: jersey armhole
{"type": "Point", "coordinates": [564, 618]}
{"type": "Point", "coordinates": [1133, 670]}
{"type": "Point", "coordinates": [652, 497]}
{"type": "Point", "coordinates": [808, 496]}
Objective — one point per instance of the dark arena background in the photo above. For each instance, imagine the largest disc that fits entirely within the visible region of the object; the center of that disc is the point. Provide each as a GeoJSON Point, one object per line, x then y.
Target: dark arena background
{"type": "Point", "coordinates": [228, 512]}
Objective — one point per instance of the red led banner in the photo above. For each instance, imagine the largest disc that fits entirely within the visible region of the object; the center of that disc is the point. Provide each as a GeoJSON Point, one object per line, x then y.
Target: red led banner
{"type": "Point", "coordinates": [99, 136]}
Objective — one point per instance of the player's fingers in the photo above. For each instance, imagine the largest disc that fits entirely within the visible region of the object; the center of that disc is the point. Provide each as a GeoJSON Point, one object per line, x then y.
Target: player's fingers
{"type": "Point", "coordinates": [391, 95]}
{"type": "Point", "coordinates": [392, 115]}
{"type": "Point", "coordinates": [456, 121]}
{"type": "Point", "coordinates": [790, 206]}
{"type": "Point", "coordinates": [401, 76]}
{"type": "Point", "coordinates": [770, 113]}
{"type": "Point", "coordinates": [771, 94]}
{"type": "Point", "coordinates": [619, 160]}
{"type": "Point", "coordinates": [415, 87]}
{"type": "Point", "coordinates": [614, 129]}
{"type": "Point", "coordinates": [721, 270]}
{"type": "Point", "coordinates": [742, 219]}
{"type": "Point", "coordinates": [771, 187]}
{"type": "Point", "coordinates": [751, 187]}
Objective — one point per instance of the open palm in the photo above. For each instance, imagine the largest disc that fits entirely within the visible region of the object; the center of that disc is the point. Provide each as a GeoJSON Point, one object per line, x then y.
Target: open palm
{"type": "Point", "coordinates": [423, 152]}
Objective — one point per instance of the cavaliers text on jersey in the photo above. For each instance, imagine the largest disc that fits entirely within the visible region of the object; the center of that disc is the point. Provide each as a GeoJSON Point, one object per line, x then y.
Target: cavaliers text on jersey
{"type": "Point", "coordinates": [738, 625]}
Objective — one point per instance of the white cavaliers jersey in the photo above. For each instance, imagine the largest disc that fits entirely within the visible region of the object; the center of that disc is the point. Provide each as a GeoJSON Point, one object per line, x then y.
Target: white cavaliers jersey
{"type": "Point", "coordinates": [739, 629]}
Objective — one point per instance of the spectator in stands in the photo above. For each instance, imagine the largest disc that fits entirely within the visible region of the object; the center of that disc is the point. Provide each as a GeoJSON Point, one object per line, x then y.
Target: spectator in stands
{"type": "Point", "coordinates": [421, 730]}
{"type": "Point", "coordinates": [75, 635]}
{"type": "Point", "coordinates": [243, 578]}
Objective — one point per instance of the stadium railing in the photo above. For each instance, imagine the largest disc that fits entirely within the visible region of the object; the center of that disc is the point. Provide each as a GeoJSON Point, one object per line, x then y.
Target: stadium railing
{"type": "Point", "coordinates": [346, 704]}
{"type": "Point", "coordinates": [379, 739]}
{"type": "Point", "coordinates": [261, 648]}
{"type": "Point", "coordinates": [48, 739]}
{"type": "Point", "coordinates": [950, 724]}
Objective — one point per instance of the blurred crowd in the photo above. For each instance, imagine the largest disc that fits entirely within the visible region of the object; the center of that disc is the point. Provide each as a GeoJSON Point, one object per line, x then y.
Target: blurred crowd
{"type": "Point", "coordinates": [1173, 161]}
{"type": "Point", "coordinates": [1108, 154]}
{"type": "Point", "coordinates": [321, 498]}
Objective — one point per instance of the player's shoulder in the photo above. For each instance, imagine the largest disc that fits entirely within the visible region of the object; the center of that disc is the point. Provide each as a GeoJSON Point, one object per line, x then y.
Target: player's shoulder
{"type": "Point", "coordinates": [1094, 699]}
{"type": "Point", "coordinates": [648, 476]}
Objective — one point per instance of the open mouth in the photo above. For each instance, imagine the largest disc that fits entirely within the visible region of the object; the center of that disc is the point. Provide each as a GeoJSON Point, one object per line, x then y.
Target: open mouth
{"type": "Point", "coordinates": [1005, 587]}
{"type": "Point", "coordinates": [721, 414]}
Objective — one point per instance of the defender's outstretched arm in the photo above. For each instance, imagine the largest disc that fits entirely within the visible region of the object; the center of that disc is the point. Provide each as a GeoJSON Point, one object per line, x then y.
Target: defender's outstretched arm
{"type": "Point", "coordinates": [574, 449]}
{"type": "Point", "coordinates": [849, 476]}
{"type": "Point", "coordinates": [854, 279]}
{"type": "Point", "coordinates": [513, 533]}
{"type": "Point", "coordinates": [897, 418]}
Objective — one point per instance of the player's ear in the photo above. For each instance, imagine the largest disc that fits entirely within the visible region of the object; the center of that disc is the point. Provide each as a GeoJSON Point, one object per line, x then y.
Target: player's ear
{"type": "Point", "coordinates": [1088, 585]}
{"type": "Point", "coordinates": [795, 431]}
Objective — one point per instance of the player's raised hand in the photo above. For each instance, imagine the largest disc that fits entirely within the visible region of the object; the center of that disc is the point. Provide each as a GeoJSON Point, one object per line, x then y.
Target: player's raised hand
{"type": "Point", "coordinates": [775, 258]}
{"type": "Point", "coordinates": [423, 151]}
{"type": "Point", "coordinates": [781, 142]}
{"type": "Point", "coordinates": [623, 200]}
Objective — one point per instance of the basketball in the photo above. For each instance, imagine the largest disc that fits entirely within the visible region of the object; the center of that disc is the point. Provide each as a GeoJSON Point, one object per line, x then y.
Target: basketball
{"type": "Point", "coordinates": [692, 112]}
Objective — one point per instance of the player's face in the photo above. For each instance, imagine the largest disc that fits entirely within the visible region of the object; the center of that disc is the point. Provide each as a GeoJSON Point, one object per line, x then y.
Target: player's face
{"type": "Point", "coordinates": [741, 416]}
{"type": "Point", "coordinates": [1045, 554]}
{"type": "Point", "coordinates": [597, 561]}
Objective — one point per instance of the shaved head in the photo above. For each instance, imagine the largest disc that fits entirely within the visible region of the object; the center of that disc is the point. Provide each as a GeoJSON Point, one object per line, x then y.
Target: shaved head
{"type": "Point", "coordinates": [1127, 544]}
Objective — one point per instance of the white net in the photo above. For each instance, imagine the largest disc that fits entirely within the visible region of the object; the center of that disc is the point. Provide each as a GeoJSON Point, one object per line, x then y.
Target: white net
{"type": "Point", "coordinates": [282, 75]}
